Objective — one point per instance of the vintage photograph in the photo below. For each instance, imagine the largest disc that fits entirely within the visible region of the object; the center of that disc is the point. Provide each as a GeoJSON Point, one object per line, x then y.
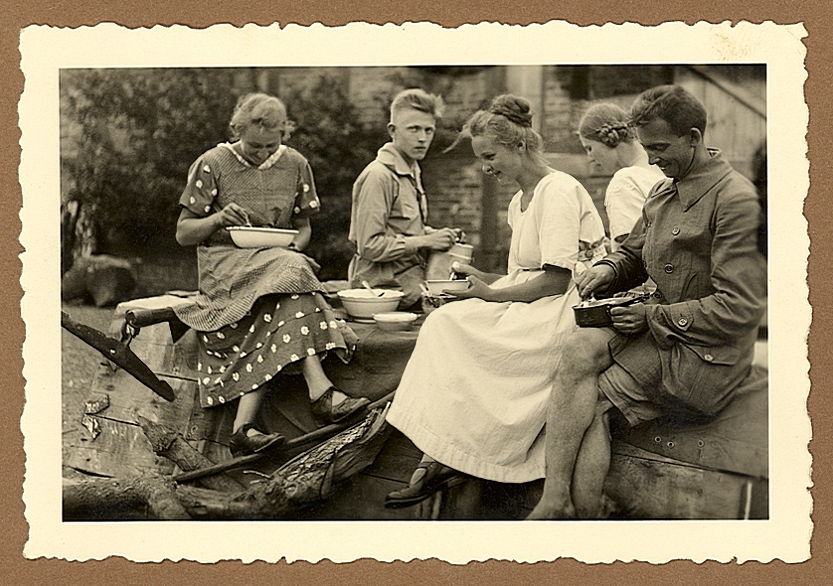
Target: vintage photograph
{"type": "Point", "coordinates": [419, 293]}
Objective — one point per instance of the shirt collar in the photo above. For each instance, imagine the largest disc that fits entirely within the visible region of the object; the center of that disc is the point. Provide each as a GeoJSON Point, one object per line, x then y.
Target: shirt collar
{"type": "Point", "coordinates": [390, 157]}
{"type": "Point", "coordinates": [701, 179]}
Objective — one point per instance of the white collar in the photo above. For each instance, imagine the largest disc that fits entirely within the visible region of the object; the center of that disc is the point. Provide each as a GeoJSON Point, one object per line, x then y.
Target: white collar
{"type": "Point", "coordinates": [265, 164]}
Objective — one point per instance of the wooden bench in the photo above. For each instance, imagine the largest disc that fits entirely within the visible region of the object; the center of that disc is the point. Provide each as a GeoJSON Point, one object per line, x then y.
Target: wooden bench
{"type": "Point", "coordinates": [660, 470]}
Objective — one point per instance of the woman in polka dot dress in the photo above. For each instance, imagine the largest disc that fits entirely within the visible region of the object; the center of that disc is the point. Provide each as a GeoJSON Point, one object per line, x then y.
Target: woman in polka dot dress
{"type": "Point", "coordinates": [259, 310]}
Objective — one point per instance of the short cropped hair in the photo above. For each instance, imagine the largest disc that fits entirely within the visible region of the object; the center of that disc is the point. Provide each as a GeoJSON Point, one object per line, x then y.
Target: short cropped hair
{"type": "Point", "coordinates": [681, 110]}
{"type": "Point", "coordinates": [418, 99]}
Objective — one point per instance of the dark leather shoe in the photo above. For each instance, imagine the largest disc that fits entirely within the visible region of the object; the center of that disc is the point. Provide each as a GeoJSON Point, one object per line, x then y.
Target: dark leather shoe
{"type": "Point", "coordinates": [242, 444]}
{"type": "Point", "coordinates": [323, 408]}
{"type": "Point", "coordinates": [437, 477]}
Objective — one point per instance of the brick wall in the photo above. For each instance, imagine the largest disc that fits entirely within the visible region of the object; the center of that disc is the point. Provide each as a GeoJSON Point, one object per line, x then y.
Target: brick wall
{"type": "Point", "coordinates": [454, 181]}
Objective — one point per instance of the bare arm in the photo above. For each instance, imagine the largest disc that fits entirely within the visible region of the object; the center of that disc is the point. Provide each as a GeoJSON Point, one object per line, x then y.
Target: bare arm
{"type": "Point", "coordinates": [554, 281]}
{"type": "Point", "coordinates": [192, 229]}
{"type": "Point", "coordinates": [301, 241]}
{"type": "Point", "coordinates": [463, 270]}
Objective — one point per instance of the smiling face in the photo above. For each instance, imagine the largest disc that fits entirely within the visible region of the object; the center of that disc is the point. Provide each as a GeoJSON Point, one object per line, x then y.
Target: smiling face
{"type": "Point", "coordinates": [412, 132]}
{"type": "Point", "coordinates": [603, 156]}
{"type": "Point", "coordinates": [673, 154]}
{"type": "Point", "coordinates": [258, 144]}
{"type": "Point", "coordinates": [497, 159]}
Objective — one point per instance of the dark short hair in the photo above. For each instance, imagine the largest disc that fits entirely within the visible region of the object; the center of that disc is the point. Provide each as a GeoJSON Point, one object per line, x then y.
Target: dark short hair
{"type": "Point", "coordinates": [681, 110]}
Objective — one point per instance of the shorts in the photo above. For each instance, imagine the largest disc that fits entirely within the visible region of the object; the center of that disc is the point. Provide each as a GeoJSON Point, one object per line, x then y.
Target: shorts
{"type": "Point", "coordinates": [633, 383]}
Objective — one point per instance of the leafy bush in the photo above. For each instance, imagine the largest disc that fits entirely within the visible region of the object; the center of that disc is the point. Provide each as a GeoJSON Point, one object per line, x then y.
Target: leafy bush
{"type": "Point", "coordinates": [135, 133]}
{"type": "Point", "coordinates": [329, 134]}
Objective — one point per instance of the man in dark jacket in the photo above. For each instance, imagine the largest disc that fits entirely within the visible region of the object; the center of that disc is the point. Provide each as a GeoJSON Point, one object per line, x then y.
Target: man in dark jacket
{"type": "Point", "coordinates": [688, 348]}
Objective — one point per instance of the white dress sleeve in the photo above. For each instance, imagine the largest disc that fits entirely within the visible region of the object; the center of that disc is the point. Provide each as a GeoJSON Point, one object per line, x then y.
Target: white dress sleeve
{"type": "Point", "coordinates": [559, 214]}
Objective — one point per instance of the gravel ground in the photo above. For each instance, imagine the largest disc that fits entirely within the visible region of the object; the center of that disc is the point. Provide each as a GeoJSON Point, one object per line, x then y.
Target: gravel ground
{"type": "Point", "coordinates": [79, 363]}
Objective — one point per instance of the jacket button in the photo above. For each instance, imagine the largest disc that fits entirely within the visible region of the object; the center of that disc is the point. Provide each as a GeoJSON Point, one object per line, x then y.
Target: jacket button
{"type": "Point", "coordinates": [708, 357]}
{"type": "Point", "coordinates": [682, 322]}
{"type": "Point", "coordinates": [675, 230]}
{"type": "Point", "coordinates": [669, 268]}
{"type": "Point", "coordinates": [657, 294]}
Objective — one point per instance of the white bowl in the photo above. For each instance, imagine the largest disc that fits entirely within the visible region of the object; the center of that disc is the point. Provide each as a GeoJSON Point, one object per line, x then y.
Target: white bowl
{"type": "Point", "coordinates": [362, 304]}
{"type": "Point", "coordinates": [395, 321]}
{"type": "Point", "coordinates": [256, 237]}
{"type": "Point", "coordinates": [437, 287]}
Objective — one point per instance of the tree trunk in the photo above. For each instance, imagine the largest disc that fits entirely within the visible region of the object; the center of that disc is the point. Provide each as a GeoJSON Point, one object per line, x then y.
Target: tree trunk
{"type": "Point", "coordinates": [129, 498]}
{"type": "Point", "coordinates": [78, 237]}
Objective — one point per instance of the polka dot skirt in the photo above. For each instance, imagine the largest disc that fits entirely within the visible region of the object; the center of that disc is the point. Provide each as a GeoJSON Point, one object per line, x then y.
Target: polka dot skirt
{"type": "Point", "coordinates": [279, 331]}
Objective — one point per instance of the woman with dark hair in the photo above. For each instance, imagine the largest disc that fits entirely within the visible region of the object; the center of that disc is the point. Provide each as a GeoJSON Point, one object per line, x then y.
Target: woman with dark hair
{"type": "Point", "coordinates": [611, 144]}
{"type": "Point", "coordinates": [474, 393]}
{"type": "Point", "coordinates": [259, 310]}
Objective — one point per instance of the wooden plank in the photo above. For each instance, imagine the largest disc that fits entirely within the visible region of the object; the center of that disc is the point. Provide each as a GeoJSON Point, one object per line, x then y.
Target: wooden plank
{"type": "Point", "coordinates": [393, 467]}
{"type": "Point", "coordinates": [121, 450]}
{"type": "Point", "coordinates": [648, 486]}
{"type": "Point", "coordinates": [158, 302]}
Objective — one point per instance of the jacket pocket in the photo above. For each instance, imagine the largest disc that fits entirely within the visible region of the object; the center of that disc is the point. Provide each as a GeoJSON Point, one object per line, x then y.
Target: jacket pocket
{"type": "Point", "coordinates": [702, 376]}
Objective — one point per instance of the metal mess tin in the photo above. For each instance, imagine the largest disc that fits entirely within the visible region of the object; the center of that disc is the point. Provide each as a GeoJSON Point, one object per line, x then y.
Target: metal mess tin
{"type": "Point", "coordinates": [595, 313]}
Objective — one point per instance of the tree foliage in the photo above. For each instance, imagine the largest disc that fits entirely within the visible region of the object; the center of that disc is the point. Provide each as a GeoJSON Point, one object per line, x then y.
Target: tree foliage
{"type": "Point", "coordinates": [329, 133]}
{"type": "Point", "coordinates": [134, 134]}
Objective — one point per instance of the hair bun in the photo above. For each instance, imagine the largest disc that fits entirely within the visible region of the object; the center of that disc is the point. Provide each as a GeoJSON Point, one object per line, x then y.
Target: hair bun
{"type": "Point", "coordinates": [513, 108]}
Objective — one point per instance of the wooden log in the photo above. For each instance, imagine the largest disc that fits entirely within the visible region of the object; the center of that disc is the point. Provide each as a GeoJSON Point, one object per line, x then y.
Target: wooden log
{"type": "Point", "coordinates": [318, 434]}
{"type": "Point", "coordinates": [102, 499]}
{"type": "Point", "coordinates": [649, 486]}
{"type": "Point", "coordinates": [171, 445]}
{"type": "Point", "coordinates": [307, 478]}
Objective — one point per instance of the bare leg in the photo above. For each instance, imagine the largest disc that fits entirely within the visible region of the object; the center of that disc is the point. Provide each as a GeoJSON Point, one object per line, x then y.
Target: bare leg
{"type": "Point", "coordinates": [570, 413]}
{"type": "Point", "coordinates": [592, 465]}
{"type": "Point", "coordinates": [317, 380]}
{"type": "Point", "coordinates": [247, 408]}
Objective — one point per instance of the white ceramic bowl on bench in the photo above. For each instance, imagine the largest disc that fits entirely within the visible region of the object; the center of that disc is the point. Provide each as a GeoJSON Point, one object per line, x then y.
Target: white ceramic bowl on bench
{"type": "Point", "coordinates": [257, 237]}
{"type": "Point", "coordinates": [362, 304]}
{"type": "Point", "coordinates": [395, 321]}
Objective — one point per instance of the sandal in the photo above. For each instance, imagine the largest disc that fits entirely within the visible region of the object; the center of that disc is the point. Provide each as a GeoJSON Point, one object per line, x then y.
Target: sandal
{"type": "Point", "coordinates": [323, 408]}
{"type": "Point", "coordinates": [437, 477]}
{"type": "Point", "coordinates": [242, 444]}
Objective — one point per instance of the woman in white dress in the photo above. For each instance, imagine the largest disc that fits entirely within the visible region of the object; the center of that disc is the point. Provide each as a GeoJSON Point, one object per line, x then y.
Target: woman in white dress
{"type": "Point", "coordinates": [474, 394]}
{"type": "Point", "coordinates": [610, 143]}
